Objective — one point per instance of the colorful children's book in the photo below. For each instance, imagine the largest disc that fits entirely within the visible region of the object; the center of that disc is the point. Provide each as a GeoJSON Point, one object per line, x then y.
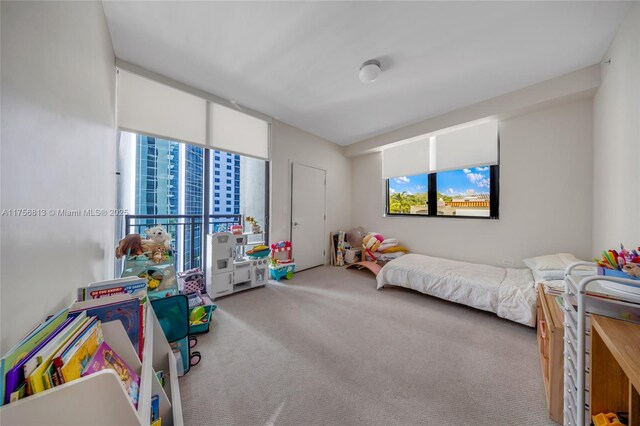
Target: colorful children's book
{"type": "Point", "coordinates": [134, 286]}
{"type": "Point", "coordinates": [76, 340]}
{"type": "Point", "coordinates": [22, 349]}
{"type": "Point", "coordinates": [105, 357]}
{"type": "Point", "coordinates": [17, 374]}
{"type": "Point", "coordinates": [155, 408]}
{"type": "Point", "coordinates": [129, 312]}
{"type": "Point", "coordinates": [53, 345]}
{"type": "Point", "coordinates": [77, 357]}
{"type": "Point", "coordinates": [38, 378]}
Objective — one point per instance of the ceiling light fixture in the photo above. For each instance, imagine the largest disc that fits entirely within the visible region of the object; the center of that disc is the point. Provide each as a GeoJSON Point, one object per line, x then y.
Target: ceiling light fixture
{"type": "Point", "coordinates": [369, 71]}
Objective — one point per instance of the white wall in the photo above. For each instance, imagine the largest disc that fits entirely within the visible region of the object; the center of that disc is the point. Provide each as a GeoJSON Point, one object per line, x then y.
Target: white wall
{"type": "Point", "coordinates": [616, 124]}
{"type": "Point", "coordinates": [292, 145]}
{"type": "Point", "coordinates": [545, 195]}
{"type": "Point", "coordinates": [58, 152]}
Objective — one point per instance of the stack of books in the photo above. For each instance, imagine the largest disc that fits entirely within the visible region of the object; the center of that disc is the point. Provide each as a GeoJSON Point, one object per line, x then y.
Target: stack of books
{"type": "Point", "coordinates": [70, 344]}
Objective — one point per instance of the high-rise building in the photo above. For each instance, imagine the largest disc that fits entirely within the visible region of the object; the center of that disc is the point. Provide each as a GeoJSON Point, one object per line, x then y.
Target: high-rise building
{"type": "Point", "coordinates": [156, 176]}
{"type": "Point", "coordinates": [226, 184]}
{"type": "Point", "coordinates": [169, 178]}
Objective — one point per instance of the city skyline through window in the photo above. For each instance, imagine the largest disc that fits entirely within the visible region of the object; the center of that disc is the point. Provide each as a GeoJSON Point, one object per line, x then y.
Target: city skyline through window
{"type": "Point", "coordinates": [167, 178]}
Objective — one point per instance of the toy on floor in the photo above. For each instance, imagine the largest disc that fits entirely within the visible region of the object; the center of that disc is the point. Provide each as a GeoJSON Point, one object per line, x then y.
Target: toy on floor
{"type": "Point", "coordinates": [281, 263]}
{"type": "Point", "coordinates": [366, 264]}
{"type": "Point", "coordinates": [609, 419]}
{"type": "Point", "coordinates": [376, 251]}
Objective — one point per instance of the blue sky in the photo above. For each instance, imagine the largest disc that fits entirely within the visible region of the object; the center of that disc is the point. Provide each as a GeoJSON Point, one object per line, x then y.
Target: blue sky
{"type": "Point", "coordinates": [457, 182]}
{"type": "Point", "coordinates": [410, 184]}
{"type": "Point", "coordinates": [452, 183]}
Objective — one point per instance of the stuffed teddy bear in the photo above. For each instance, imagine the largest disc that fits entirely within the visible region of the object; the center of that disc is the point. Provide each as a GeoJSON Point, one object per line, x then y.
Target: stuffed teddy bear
{"type": "Point", "coordinates": [134, 245]}
{"type": "Point", "coordinates": [130, 245]}
{"type": "Point", "coordinates": [158, 235]}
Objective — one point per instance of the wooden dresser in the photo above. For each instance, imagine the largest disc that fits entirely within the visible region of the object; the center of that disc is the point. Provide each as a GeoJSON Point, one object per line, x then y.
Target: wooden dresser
{"type": "Point", "coordinates": [615, 367]}
{"type": "Point", "coordinates": [550, 331]}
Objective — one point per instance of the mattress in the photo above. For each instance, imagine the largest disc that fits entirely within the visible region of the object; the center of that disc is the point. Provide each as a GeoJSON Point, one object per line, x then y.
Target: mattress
{"type": "Point", "coordinates": [507, 292]}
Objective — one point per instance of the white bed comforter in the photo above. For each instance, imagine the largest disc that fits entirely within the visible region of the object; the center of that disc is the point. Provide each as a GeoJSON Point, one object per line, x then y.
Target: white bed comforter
{"type": "Point", "coordinates": [505, 291]}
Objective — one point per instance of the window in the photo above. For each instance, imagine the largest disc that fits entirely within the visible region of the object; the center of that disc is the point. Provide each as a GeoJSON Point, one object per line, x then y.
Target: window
{"type": "Point", "coordinates": [217, 180]}
{"type": "Point", "coordinates": [216, 187]}
{"type": "Point", "coordinates": [470, 192]}
{"type": "Point", "coordinates": [408, 195]}
{"type": "Point", "coordinates": [465, 192]}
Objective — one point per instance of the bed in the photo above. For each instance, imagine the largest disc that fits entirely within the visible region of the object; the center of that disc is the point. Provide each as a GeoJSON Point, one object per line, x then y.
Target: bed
{"type": "Point", "coordinates": [507, 292]}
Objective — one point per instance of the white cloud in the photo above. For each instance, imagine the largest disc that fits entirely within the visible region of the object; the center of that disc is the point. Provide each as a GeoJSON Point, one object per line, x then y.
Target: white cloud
{"type": "Point", "coordinates": [482, 169]}
{"type": "Point", "coordinates": [409, 192]}
{"type": "Point", "coordinates": [466, 171]}
{"type": "Point", "coordinates": [451, 191]}
{"type": "Point", "coordinates": [392, 191]}
{"type": "Point", "coordinates": [478, 179]}
{"type": "Point", "coordinates": [402, 179]}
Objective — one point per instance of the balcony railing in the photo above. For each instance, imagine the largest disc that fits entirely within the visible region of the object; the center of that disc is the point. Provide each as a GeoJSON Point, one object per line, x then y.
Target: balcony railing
{"type": "Point", "coordinates": [185, 231]}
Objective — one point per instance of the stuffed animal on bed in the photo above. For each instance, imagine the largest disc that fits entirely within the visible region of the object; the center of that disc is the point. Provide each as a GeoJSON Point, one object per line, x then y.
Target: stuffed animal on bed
{"type": "Point", "coordinates": [372, 241]}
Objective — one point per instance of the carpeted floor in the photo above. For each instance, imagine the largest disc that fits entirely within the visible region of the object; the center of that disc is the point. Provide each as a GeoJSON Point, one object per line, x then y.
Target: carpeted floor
{"type": "Point", "coordinates": [327, 348]}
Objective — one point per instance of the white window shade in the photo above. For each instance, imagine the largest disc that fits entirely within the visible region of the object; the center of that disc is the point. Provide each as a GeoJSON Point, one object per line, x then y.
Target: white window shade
{"type": "Point", "coordinates": [151, 108]}
{"type": "Point", "coordinates": [234, 131]}
{"type": "Point", "coordinates": [408, 159]}
{"type": "Point", "coordinates": [471, 146]}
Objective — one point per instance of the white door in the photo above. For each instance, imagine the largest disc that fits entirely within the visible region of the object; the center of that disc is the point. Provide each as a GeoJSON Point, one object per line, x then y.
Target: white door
{"type": "Point", "coordinates": [308, 216]}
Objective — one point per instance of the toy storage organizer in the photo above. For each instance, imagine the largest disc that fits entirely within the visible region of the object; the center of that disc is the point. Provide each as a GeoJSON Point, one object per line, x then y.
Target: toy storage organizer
{"type": "Point", "coordinates": [608, 296]}
{"type": "Point", "coordinates": [173, 315]}
{"type": "Point", "coordinates": [161, 276]}
{"type": "Point", "coordinates": [100, 398]}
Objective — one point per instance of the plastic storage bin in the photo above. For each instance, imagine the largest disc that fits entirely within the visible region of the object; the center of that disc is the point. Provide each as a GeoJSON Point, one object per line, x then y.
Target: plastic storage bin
{"type": "Point", "coordinates": [204, 326]}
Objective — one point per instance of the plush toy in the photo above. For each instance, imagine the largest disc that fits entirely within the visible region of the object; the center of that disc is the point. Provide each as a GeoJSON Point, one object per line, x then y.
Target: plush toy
{"type": "Point", "coordinates": [158, 254]}
{"type": "Point", "coordinates": [158, 235]}
{"type": "Point", "coordinates": [632, 269]}
{"type": "Point", "coordinates": [130, 245]}
{"type": "Point", "coordinates": [372, 241]}
{"type": "Point", "coordinates": [134, 245]}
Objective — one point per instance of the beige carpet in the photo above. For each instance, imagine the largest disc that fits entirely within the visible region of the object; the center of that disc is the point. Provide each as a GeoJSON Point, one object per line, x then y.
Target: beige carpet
{"type": "Point", "coordinates": [327, 348]}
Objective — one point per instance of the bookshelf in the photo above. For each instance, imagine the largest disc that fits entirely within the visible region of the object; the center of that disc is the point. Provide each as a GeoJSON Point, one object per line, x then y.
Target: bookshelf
{"type": "Point", "coordinates": [99, 399]}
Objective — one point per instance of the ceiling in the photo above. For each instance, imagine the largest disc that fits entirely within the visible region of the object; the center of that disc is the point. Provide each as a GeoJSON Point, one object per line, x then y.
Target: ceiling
{"type": "Point", "coordinates": [298, 61]}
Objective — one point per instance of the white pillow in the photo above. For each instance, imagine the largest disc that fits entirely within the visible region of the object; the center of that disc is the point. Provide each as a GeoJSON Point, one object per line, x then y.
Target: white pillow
{"type": "Point", "coordinates": [550, 262]}
{"type": "Point", "coordinates": [552, 266]}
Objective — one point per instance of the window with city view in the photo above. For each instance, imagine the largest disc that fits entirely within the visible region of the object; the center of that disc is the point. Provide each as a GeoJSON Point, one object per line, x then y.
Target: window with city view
{"type": "Point", "coordinates": [163, 182]}
{"type": "Point", "coordinates": [470, 192]}
{"type": "Point", "coordinates": [464, 192]}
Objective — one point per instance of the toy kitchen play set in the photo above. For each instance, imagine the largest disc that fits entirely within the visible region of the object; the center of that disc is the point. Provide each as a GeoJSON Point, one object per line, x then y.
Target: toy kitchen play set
{"type": "Point", "coordinates": [233, 268]}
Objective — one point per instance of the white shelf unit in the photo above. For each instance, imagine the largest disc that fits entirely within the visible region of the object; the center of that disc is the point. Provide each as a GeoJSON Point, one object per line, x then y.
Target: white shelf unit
{"type": "Point", "coordinates": [582, 297]}
{"type": "Point", "coordinates": [100, 399]}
